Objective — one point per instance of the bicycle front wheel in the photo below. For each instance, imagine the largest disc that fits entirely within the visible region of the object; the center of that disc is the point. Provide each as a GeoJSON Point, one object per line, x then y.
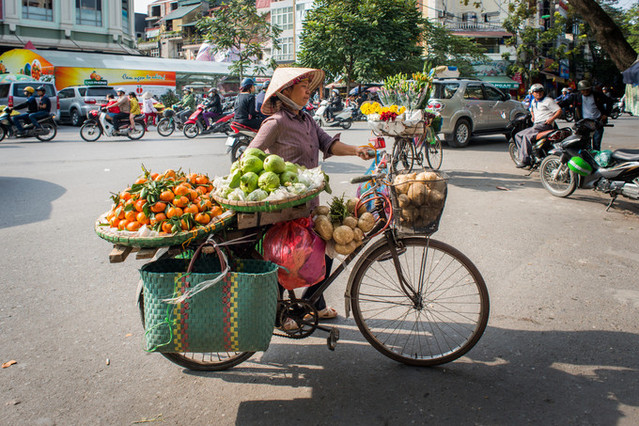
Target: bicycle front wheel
{"type": "Point", "coordinates": [444, 318]}
{"type": "Point", "coordinates": [434, 152]}
{"type": "Point", "coordinates": [404, 154]}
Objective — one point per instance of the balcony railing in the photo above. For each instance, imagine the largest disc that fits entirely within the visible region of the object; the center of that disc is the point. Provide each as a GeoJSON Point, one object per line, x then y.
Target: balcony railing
{"type": "Point", "coordinates": [475, 26]}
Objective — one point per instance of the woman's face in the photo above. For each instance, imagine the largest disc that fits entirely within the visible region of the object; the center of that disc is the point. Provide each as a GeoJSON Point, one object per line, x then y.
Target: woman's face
{"type": "Point", "coordinates": [298, 93]}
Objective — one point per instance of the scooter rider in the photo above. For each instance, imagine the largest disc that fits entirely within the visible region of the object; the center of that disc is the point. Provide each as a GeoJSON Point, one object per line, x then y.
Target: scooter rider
{"type": "Point", "coordinates": [123, 105]}
{"type": "Point", "coordinates": [593, 105]}
{"type": "Point", "coordinates": [259, 99]}
{"type": "Point", "coordinates": [245, 113]}
{"type": "Point", "coordinates": [544, 112]}
{"type": "Point", "coordinates": [32, 107]}
{"type": "Point", "coordinates": [188, 102]}
{"type": "Point", "coordinates": [212, 107]}
{"type": "Point", "coordinates": [44, 107]}
{"type": "Point", "coordinates": [335, 105]}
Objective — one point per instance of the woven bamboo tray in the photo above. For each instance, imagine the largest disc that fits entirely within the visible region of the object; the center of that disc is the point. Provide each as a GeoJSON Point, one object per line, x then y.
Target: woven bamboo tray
{"type": "Point", "coordinates": [268, 206]}
{"type": "Point", "coordinates": [126, 239]}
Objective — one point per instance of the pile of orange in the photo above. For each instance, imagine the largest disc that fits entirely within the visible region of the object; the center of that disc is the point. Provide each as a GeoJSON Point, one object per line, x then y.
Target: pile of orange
{"type": "Point", "coordinates": [169, 202]}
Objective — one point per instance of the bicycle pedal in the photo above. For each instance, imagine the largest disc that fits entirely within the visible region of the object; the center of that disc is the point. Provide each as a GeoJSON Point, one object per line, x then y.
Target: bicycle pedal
{"type": "Point", "coordinates": [332, 338]}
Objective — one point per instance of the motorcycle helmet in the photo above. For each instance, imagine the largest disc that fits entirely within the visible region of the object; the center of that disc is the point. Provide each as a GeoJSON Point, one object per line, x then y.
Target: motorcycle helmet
{"type": "Point", "coordinates": [246, 83]}
{"type": "Point", "coordinates": [584, 85]}
{"type": "Point", "coordinates": [120, 89]}
{"type": "Point", "coordinates": [29, 90]}
{"type": "Point", "coordinates": [41, 89]}
{"type": "Point", "coordinates": [536, 88]}
{"type": "Point", "coordinates": [265, 84]}
{"type": "Point", "coordinates": [564, 90]}
{"type": "Point", "coordinates": [336, 91]}
{"type": "Point", "coordinates": [186, 90]}
{"type": "Point", "coordinates": [579, 166]}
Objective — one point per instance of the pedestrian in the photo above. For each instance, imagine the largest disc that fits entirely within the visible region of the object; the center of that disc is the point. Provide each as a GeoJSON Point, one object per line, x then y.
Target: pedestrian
{"type": "Point", "coordinates": [593, 105]}
{"type": "Point", "coordinates": [544, 112]}
{"type": "Point", "coordinates": [148, 109]}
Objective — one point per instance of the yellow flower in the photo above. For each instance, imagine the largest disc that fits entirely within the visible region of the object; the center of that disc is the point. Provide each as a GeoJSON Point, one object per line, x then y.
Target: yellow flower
{"type": "Point", "coordinates": [393, 108]}
{"type": "Point", "coordinates": [401, 110]}
{"type": "Point", "coordinates": [376, 108]}
{"type": "Point", "coordinates": [365, 109]}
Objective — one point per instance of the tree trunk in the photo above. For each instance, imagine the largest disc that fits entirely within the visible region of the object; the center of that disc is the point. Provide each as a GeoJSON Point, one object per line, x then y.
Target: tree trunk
{"type": "Point", "coordinates": [607, 33]}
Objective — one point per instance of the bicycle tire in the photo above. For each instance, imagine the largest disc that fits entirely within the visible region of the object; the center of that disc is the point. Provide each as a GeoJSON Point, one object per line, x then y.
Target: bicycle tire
{"type": "Point", "coordinates": [196, 360]}
{"type": "Point", "coordinates": [434, 153]}
{"type": "Point", "coordinates": [404, 152]}
{"type": "Point", "coordinates": [447, 325]}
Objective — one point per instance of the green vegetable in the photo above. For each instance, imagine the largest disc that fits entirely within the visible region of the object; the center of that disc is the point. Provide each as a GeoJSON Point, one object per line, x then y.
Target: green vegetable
{"type": "Point", "coordinates": [274, 163]}
{"type": "Point", "coordinates": [269, 181]}
{"type": "Point", "coordinates": [338, 210]}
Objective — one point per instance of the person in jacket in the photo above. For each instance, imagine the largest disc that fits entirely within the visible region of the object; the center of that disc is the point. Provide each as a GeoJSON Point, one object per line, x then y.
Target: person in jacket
{"type": "Point", "coordinates": [544, 112]}
{"type": "Point", "coordinates": [44, 107]}
{"type": "Point", "coordinates": [335, 105]}
{"type": "Point", "coordinates": [31, 104]}
{"type": "Point", "coordinates": [188, 103]}
{"type": "Point", "coordinates": [259, 100]}
{"type": "Point", "coordinates": [594, 105]}
{"type": "Point", "coordinates": [122, 105]}
{"type": "Point", "coordinates": [212, 107]}
{"type": "Point", "coordinates": [293, 135]}
{"type": "Point", "coordinates": [134, 109]}
{"type": "Point", "coordinates": [148, 109]}
{"type": "Point", "coordinates": [245, 113]}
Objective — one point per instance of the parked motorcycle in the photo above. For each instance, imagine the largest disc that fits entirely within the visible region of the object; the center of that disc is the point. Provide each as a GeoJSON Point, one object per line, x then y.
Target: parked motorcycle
{"type": "Point", "coordinates": [7, 129]}
{"type": "Point", "coordinates": [343, 118]}
{"type": "Point", "coordinates": [618, 108]}
{"type": "Point", "coordinates": [237, 142]}
{"type": "Point", "coordinates": [571, 164]}
{"type": "Point", "coordinates": [170, 121]}
{"type": "Point", "coordinates": [196, 124]}
{"type": "Point", "coordinates": [98, 124]}
{"type": "Point", "coordinates": [543, 144]}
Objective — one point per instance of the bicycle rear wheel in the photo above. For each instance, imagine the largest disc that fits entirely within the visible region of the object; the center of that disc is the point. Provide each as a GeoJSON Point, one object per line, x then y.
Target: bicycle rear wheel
{"type": "Point", "coordinates": [404, 153]}
{"type": "Point", "coordinates": [441, 324]}
{"type": "Point", "coordinates": [434, 152]}
{"type": "Point", "coordinates": [209, 361]}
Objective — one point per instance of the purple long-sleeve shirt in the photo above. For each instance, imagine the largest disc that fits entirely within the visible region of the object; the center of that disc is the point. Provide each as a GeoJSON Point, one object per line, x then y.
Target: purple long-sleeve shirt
{"type": "Point", "coordinates": [295, 137]}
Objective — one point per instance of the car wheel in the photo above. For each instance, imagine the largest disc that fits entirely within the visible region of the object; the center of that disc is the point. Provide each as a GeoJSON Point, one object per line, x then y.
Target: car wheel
{"type": "Point", "coordinates": [460, 138]}
{"type": "Point", "coordinates": [76, 118]}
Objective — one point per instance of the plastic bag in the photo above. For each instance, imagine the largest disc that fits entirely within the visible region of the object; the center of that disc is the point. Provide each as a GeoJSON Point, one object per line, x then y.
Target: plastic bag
{"type": "Point", "coordinates": [366, 186]}
{"type": "Point", "coordinates": [293, 245]}
{"type": "Point", "coordinates": [602, 158]}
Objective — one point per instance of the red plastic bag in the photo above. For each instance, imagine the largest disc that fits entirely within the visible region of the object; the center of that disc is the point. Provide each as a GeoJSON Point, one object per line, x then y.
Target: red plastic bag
{"type": "Point", "coordinates": [295, 246]}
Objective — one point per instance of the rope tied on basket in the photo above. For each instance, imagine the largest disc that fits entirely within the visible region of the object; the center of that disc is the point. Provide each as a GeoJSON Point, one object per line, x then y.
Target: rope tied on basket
{"type": "Point", "coordinates": [224, 266]}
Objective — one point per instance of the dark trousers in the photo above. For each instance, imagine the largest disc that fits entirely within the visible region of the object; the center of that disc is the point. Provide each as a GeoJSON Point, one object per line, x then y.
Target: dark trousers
{"type": "Point", "coordinates": [525, 138]}
{"type": "Point", "coordinates": [310, 291]}
{"type": "Point", "coordinates": [34, 117]}
{"type": "Point", "coordinates": [210, 117]}
{"type": "Point", "coordinates": [597, 136]}
{"type": "Point", "coordinates": [119, 116]}
{"type": "Point", "coordinates": [18, 119]}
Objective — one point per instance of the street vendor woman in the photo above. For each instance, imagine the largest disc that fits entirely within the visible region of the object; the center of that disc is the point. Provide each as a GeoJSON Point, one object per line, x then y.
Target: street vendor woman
{"type": "Point", "coordinates": [292, 134]}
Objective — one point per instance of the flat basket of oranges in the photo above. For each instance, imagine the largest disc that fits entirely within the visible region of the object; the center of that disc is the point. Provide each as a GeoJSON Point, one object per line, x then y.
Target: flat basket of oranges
{"type": "Point", "coordinates": [161, 210]}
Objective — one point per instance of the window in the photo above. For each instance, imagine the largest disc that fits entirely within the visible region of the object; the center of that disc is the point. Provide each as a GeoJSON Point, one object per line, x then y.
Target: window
{"type": "Point", "coordinates": [82, 91]}
{"type": "Point", "coordinates": [493, 94]}
{"type": "Point", "coordinates": [490, 44]}
{"type": "Point", "coordinates": [88, 12]}
{"type": "Point", "coordinates": [41, 10]}
{"type": "Point", "coordinates": [283, 18]}
{"type": "Point", "coordinates": [100, 92]}
{"type": "Point", "coordinates": [174, 5]}
{"type": "Point", "coordinates": [445, 91]}
{"type": "Point", "coordinates": [18, 88]}
{"type": "Point", "coordinates": [125, 16]}
{"type": "Point", "coordinates": [155, 53]}
{"type": "Point", "coordinates": [65, 93]}
{"type": "Point", "coordinates": [473, 92]}
{"type": "Point", "coordinates": [4, 90]}
{"type": "Point", "coordinates": [155, 11]}
{"type": "Point", "coordinates": [285, 52]}
{"type": "Point", "coordinates": [300, 10]}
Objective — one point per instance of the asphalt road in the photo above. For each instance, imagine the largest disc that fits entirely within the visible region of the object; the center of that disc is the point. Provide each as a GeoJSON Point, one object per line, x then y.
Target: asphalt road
{"type": "Point", "coordinates": [560, 347]}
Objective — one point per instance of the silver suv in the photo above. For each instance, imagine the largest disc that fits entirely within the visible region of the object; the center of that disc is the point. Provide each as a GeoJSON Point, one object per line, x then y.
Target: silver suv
{"type": "Point", "coordinates": [472, 107]}
{"type": "Point", "coordinates": [77, 101]}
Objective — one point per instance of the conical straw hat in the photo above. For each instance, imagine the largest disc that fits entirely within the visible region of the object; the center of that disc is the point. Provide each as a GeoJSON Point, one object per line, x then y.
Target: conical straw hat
{"type": "Point", "coordinates": [285, 77]}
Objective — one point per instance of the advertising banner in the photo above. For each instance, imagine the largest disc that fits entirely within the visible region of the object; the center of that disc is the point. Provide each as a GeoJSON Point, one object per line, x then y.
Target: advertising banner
{"type": "Point", "coordinates": [28, 63]}
{"type": "Point", "coordinates": [156, 82]}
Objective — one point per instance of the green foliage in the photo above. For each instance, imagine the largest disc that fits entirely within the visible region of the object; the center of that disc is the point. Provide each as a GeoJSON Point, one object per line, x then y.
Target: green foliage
{"type": "Point", "coordinates": [169, 98]}
{"type": "Point", "coordinates": [630, 26]}
{"type": "Point", "coordinates": [531, 41]}
{"type": "Point", "coordinates": [362, 40]}
{"type": "Point", "coordinates": [239, 28]}
{"type": "Point", "coordinates": [445, 48]}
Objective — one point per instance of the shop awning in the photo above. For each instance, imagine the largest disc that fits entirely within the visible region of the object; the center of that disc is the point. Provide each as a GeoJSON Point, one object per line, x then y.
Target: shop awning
{"type": "Point", "coordinates": [179, 13]}
{"type": "Point", "coordinates": [500, 81]}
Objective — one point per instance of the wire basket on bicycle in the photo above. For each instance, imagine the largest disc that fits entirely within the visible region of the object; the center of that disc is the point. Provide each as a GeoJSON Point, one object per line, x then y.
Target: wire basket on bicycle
{"type": "Point", "coordinates": [418, 201]}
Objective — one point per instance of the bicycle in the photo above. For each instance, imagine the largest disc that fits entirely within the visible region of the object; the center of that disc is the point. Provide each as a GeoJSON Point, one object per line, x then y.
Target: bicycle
{"type": "Point", "coordinates": [422, 149]}
{"type": "Point", "coordinates": [415, 299]}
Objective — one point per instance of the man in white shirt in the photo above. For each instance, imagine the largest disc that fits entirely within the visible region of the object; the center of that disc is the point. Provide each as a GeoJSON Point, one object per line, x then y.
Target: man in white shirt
{"type": "Point", "coordinates": [544, 112]}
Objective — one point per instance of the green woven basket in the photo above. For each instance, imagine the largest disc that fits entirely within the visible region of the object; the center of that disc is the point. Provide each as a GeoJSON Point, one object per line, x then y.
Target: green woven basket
{"type": "Point", "coordinates": [235, 315]}
{"type": "Point", "coordinates": [125, 238]}
{"type": "Point", "coordinates": [268, 206]}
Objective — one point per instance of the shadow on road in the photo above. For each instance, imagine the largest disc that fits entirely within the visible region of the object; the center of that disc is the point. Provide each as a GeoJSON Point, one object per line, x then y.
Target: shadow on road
{"type": "Point", "coordinates": [347, 168]}
{"type": "Point", "coordinates": [489, 181]}
{"type": "Point", "coordinates": [26, 200]}
{"type": "Point", "coordinates": [584, 378]}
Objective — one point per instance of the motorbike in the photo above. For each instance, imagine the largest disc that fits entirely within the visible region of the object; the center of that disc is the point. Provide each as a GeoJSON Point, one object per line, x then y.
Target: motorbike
{"type": "Point", "coordinates": [618, 108]}
{"type": "Point", "coordinates": [196, 124]}
{"type": "Point", "coordinates": [47, 132]}
{"type": "Point", "coordinates": [343, 118]}
{"type": "Point", "coordinates": [239, 140]}
{"type": "Point", "coordinates": [170, 121]}
{"type": "Point", "coordinates": [98, 124]}
{"type": "Point", "coordinates": [571, 164]}
{"type": "Point", "coordinates": [357, 114]}
{"type": "Point", "coordinates": [542, 145]}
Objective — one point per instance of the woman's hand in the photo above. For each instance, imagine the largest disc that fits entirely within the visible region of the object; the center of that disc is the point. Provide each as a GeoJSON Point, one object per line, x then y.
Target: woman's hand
{"type": "Point", "coordinates": [364, 152]}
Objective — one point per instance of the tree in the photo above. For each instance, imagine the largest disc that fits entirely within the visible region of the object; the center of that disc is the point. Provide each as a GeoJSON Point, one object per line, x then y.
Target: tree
{"type": "Point", "coordinates": [362, 40]}
{"type": "Point", "coordinates": [445, 48]}
{"type": "Point", "coordinates": [238, 28]}
{"type": "Point", "coordinates": [532, 43]}
{"type": "Point", "coordinates": [607, 33]}
{"type": "Point", "coordinates": [630, 26]}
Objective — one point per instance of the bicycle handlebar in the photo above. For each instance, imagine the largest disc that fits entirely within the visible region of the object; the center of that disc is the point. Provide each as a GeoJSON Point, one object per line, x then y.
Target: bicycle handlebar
{"type": "Point", "coordinates": [366, 178]}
